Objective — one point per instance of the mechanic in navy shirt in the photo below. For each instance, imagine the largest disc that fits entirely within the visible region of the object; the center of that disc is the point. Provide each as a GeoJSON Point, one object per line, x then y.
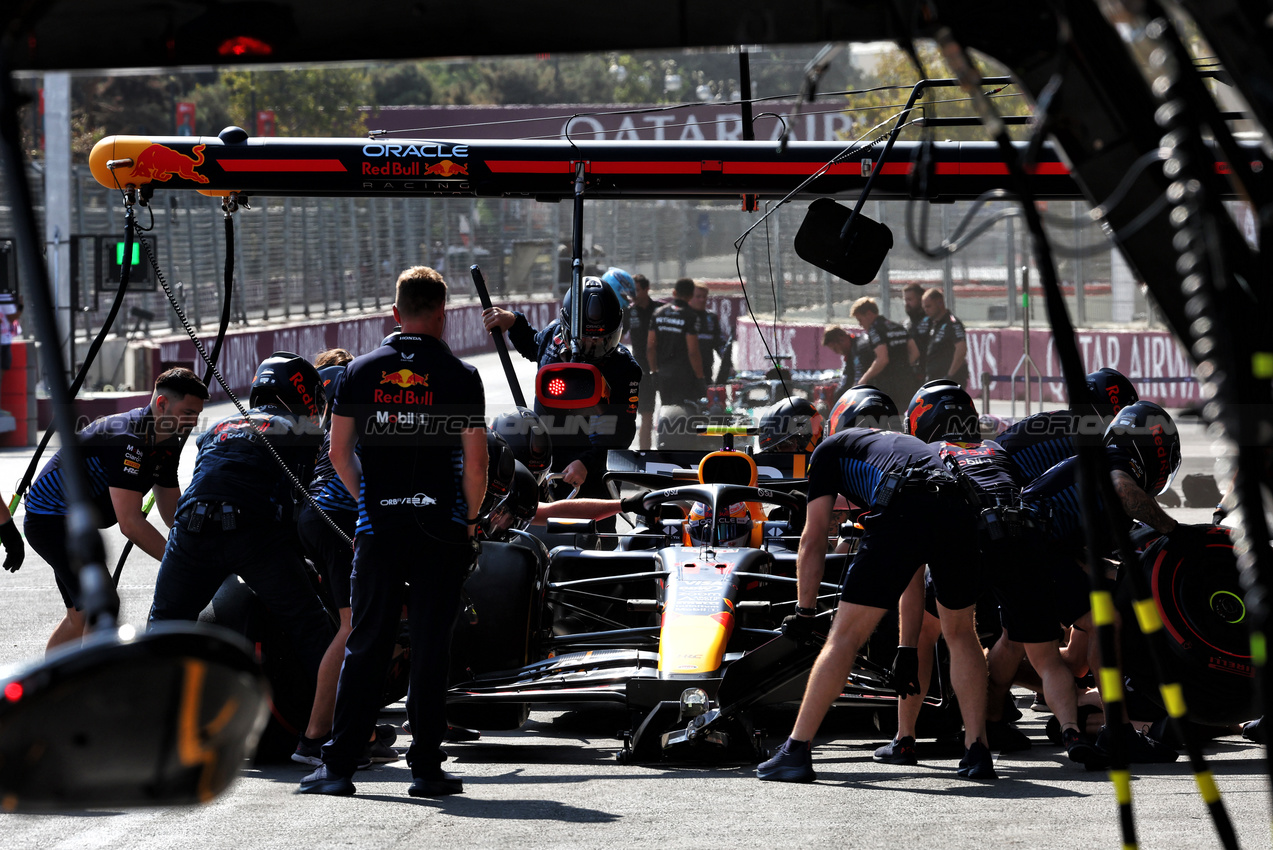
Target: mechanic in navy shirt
{"type": "Point", "coordinates": [711, 338]}
{"type": "Point", "coordinates": [885, 354]}
{"type": "Point", "coordinates": [408, 437]}
{"type": "Point", "coordinates": [1037, 443]}
{"type": "Point", "coordinates": [334, 557]}
{"type": "Point", "coordinates": [583, 438]}
{"type": "Point", "coordinates": [1010, 536]}
{"type": "Point", "coordinates": [127, 454]}
{"type": "Point", "coordinates": [1143, 453]}
{"type": "Point", "coordinates": [861, 464]}
{"type": "Point", "coordinates": [238, 515]}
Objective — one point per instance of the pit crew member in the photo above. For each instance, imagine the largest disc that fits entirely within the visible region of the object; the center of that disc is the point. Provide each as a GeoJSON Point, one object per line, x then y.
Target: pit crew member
{"type": "Point", "coordinates": [126, 454]}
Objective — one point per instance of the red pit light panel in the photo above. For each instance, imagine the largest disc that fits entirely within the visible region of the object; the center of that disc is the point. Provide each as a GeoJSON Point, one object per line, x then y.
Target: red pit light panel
{"type": "Point", "coordinates": [569, 386]}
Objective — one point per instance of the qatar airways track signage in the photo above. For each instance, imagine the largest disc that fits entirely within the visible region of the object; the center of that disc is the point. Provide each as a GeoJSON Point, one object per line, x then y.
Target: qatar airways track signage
{"type": "Point", "coordinates": [700, 122]}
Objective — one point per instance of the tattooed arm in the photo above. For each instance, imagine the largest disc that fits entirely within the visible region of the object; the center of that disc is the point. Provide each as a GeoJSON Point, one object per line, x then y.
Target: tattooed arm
{"type": "Point", "coordinates": [1138, 504]}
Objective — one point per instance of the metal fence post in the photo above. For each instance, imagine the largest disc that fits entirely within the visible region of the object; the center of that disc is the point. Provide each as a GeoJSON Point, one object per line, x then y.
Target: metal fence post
{"type": "Point", "coordinates": [265, 260]}
{"type": "Point", "coordinates": [287, 258]}
{"type": "Point", "coordinates": [1010, 270]}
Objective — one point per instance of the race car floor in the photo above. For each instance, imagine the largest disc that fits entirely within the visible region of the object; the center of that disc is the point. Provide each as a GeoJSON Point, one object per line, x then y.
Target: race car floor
{"type": "Point", "coordinates": [556, 782]}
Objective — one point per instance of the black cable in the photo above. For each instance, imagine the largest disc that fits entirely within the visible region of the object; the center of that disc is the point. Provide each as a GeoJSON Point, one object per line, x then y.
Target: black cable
{"type": "Point", "coordinates": [130, 225]}
{"type": "Point", "coordinates": [203, 352]}
{"type": "Point", "coordinates": [216, 353]}
{"type": "Point", "coordinates": [1096, 490]}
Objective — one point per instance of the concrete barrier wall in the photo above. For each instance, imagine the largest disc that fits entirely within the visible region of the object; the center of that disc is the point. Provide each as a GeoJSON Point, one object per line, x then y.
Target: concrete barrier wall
{"type": "Point", "coordinates": [244, 349]}
{"type": "Point", "coordinates": [997, 351]}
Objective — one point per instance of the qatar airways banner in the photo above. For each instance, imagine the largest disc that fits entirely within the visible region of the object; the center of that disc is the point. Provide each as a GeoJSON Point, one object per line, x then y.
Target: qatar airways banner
{"type": "Point", "coordinates": [242, 351]}
{"type": "Point", "coordinates": [1152, 359]}
{"type": "Point", "coordinates": [698, 122]}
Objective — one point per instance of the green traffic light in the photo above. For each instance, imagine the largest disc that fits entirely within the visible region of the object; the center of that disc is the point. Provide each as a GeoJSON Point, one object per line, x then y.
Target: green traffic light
{"type": "Point", "coordinates": [119, 254]}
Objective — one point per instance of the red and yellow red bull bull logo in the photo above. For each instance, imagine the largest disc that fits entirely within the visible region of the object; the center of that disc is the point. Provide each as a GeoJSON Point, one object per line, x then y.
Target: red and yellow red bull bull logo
{"type": "Point", "coordinates": [407, 380]}
{"type": "Point", "coordinates": [151, 162]}
{"type": "Point", "coordinates": [160, 162]}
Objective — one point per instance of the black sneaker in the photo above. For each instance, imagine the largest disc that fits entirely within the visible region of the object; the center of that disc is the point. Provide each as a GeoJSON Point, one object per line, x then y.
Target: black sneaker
{"type": "Point", "coordinates": [438, 784]}
{"type": "Point", "coordinates": [1006, 738]}
{"type": "Point", "coordinates": [1081, 750]}
{"type": "Point", "coordinates": [1253, 731]}
{"type": "Point", "coordinates": [977, 762]}
{"type": "Point", "coordinates": [378, 752]}
{"type": "Point", "coordinates": [323, 781]}
{"type": "Point", "coordinates": [387, 733]}
{"type": "Point", "coordinates": [897, 751]}
{"type": "Point", "coordinates": [456, 734]}
{"type": "Point", "coordinates": [792, 763]}
{"type": "Point", "coordinates": [309, 751]}
{"type": "Point", "coordinates": [1140, 748]}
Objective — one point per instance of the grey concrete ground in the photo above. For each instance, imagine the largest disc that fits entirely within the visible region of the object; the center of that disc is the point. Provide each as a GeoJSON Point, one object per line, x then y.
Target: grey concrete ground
{"type": "Point", "coordinates": [556, 783]}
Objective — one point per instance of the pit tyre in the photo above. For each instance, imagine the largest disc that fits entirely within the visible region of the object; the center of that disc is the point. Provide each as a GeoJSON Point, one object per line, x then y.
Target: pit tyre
{"type": "Point", "coordinates": [495, 632]}
{"type": "Point", "coordinates": [237, 608]}
{"type": "Point", "coordinates": [1193, 575]}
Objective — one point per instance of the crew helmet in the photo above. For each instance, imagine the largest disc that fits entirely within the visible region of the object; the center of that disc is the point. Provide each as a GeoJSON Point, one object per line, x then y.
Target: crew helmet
{"type": "Point", "coordinates": [518, 510]}
{"type": "Point", "coordinates": [1112, 392]}
{"type": "Point", "coordinates": [1150, 434]}
{"type": "Point", "coordinates": [864, 406]}
{"type": "Point", "coordinates": [733, 526]}
{"type": "Point", "coordinates": [526, 435]}
{"type": "Point", "coordinates": [288, 380]}
{"type": "Point", "coordinates": [791, 425]}
{"type": "Point", "coordinates": [622, 284]}
{"type": "Point", "coordinates": [500, 465]}
{"type": "Point", "coordinates": [601, 314]}
{"type": "Point", "coordinates": [942, 410]}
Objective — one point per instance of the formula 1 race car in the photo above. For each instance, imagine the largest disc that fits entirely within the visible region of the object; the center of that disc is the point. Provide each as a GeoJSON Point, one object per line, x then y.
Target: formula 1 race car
{"type": "Point", "coordinates": [676, 619]}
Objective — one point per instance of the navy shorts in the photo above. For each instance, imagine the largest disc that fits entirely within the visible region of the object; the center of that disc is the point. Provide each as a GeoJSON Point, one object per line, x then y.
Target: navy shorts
{"type": "Point", "coordinates": [1070, 584]}
{"type": "Point", "coordinates": [918, 528]}
{"type": "Point", "coordinates": [1022, 585]}
{"type": "Point", "coordinates": [47, 535]}
{"type": "Point", "coordinates": [333, 556]}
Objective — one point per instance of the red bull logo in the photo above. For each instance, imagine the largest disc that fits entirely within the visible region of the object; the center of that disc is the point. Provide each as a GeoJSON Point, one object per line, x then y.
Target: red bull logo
{"type": "Point", "coordinates": [160, 162]}
{"type": "Point", "coordinates": [919, 410]}
{"type": "Point", "coordinates": [446, 168]}
{"type": "Point", "coordinates": [404, 378]}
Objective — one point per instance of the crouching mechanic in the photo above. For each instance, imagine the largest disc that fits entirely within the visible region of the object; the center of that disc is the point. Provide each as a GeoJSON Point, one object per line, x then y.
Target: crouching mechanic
{"type": "Point", "coordinates": [1010, 536]}
{"type": "Point", "coordinates": [238, 515]}
{"type": "Point", "coordinates": [126, 454]}
{"type": "Point", "coordinates": [409, 439]}
{"type": "Point", "coordinates": [1142, 448]}
{"type": "Point", "coordinates": [906, 488]}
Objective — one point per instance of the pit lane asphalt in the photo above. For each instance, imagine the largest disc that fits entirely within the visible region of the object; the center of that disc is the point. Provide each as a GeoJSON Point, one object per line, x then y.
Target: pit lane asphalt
{"type": "Point", "coordinates": [556, 783]}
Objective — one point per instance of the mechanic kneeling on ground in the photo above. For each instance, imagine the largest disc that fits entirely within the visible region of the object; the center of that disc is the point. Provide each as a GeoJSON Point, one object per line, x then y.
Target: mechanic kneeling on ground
{"type": "Point", "coordinates": [126, 455]}
{"type": "Point", "coordinates": [905, 487]}
{"type": "Point", "coordinates": [408, 437]}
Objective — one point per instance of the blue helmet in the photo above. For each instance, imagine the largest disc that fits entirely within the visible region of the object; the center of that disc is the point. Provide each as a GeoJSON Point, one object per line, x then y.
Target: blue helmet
{"type": "Point", "coordinates": [622, 284]}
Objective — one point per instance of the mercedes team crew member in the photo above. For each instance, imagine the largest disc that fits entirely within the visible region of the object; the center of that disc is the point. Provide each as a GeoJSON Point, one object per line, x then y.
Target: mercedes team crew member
{"type": "Point", "coordinates": [640, 316]}
{"type": "Point", "coordinates": [1143, 453]}
{"type": "Point", "coordinates": [945, 348]}
{"type": "Point", "coordinates": [885, 354]}
{"type": "Point", "coordinates": [126, 454]}
{"type": "Point", "coordinates": [673, 348]}
{"type": "Point", "coordinates": [1010, 536]}
{"type": "Point", "coordinates": [1037, 443]}
{"type": "Point", "coordinates": [408, 437]}
{"type": "Point", "coordinates": [579, 450]}
{"type": "Point", "coordinates": [906, 488]}
{"type": "Point", "coordinates": [711, 338]}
